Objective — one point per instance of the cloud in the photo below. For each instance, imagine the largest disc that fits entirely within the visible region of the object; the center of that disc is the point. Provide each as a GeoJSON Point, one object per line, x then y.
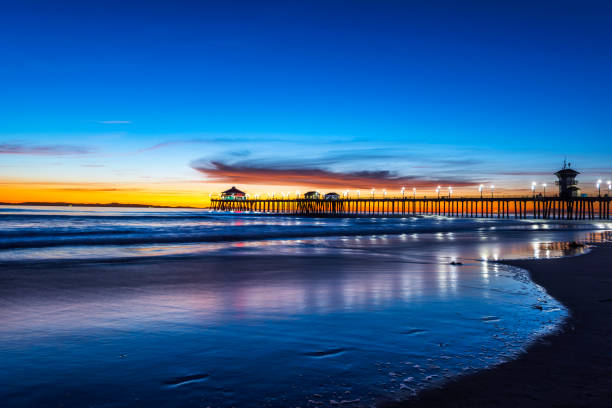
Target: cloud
{"type": "Point", "coordinates": [93, 189]}
{"type": "Point", "coordinates": [43, 150]}
{"type": "Point", "coordinates": [240, 153]}
{"type": "Point", "coordinates": [526, 173]}
{"type": "Point", "coordinates": [607, 170]}
{"type": "Point", "coordinates": [180, 142]}
{"type": "Point", "coordinates": [170, 143]}
{"type": "Point", "coordinates": [115, 122]}
{"type": "Point", "coordinates": [249, 173]}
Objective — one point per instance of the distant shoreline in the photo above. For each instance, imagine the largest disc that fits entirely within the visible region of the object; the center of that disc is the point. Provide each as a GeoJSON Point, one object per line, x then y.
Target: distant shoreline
{"type": "Point", "coordinates": [59, 204]}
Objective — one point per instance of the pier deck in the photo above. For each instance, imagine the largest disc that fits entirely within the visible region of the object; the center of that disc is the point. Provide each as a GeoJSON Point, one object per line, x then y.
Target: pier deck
{"type": "Point", "coordinates": [579, 208]}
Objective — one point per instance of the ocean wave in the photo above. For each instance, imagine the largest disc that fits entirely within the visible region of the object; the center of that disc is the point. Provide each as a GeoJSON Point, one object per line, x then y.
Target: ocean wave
{"type": "Point", "coordinates": [57, 238]}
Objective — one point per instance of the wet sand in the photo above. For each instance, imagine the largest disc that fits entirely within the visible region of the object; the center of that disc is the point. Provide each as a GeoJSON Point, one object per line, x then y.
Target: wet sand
{"type": "Point", "coordinates": [572, 368]}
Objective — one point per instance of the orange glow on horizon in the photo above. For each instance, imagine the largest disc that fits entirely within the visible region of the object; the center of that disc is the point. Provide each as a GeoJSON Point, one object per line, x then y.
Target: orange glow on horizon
{"type": "Point", "coordinates": [192, 194]}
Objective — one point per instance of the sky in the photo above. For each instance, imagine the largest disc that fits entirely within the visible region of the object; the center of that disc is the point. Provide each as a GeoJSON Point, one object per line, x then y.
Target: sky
{"type": "Point", "coordinates": [166, 102]}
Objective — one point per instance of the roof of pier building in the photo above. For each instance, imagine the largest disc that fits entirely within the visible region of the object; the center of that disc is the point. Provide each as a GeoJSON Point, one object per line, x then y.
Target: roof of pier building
{"type": "Point", "coordinates": [233, 192]}
{"type": "Point", "coordinates": [311, 194]}
{"type": "Point", "coordinates": [567, 171]}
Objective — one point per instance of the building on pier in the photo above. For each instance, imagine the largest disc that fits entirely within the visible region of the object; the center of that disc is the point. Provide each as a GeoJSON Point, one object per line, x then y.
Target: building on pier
{"type": "Point", "coordinates": [312, 195]}
{"type": "Point", "coordinates": [568, 185]}
{"type": "Point", "coordinates": [233, 194]}
{"type": "Point", "coordinates": [332, 196]}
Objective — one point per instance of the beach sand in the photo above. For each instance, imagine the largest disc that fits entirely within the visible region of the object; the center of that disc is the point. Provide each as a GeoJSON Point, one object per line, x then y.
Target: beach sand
{"type": "Point", "coordinates": [571, 368]}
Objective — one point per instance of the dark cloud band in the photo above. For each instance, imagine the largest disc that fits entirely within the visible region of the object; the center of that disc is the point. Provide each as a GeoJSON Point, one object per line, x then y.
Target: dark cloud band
{"type": "Point", "coordinates": [49, 150]}
{"type": "Point", "coordinates": [245, 173]}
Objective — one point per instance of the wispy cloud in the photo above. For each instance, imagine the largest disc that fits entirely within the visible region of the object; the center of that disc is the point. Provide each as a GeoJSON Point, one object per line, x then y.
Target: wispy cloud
{"type": "Point", "coordinates": [169, 144]}
{"type": "Point", "coordinates": [115, 122]}
{"type": "Point", "coordinates": [252, 173]}
{"type": "Point", "coordinates": [603, 170]}
{"type": "Point", "coordinates": [87, 189]}
{"type": "Point", "coordinates": [525, 173]}
{"type": "Point", "coordinates": [44, 150]}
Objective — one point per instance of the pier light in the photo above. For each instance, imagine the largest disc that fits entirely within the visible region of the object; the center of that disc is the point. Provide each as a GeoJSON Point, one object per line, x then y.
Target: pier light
{"type": "Point", "coordinates": [414, 192]}
{"type": "Point", "coordinates": [450, 191]}
{"type": "Point", "coordinates": [480, 188]}
{"type": "Point", "coordinates": [492, 189]}
{"type": "Point", "coordinates": [373, 189]}
{"type": "Point", "coordinates": [297, 193]}
{"type": "Point", "coordinates": [384, 192]}
{"type": "Point", "coordinates": [533, 187]}
{"type": "Point", "coordinates": [598, 185]}
{"type": "Point", "coordinates": [609, 187]}
{"type": "Point", "coordinates": [544, 187]}
{"type": "Point", "coordinates": [403, 191]}
{"type": "Point", "coordinates": [358, 193]}
{"type": "Point", "coordinates": [438, 191]}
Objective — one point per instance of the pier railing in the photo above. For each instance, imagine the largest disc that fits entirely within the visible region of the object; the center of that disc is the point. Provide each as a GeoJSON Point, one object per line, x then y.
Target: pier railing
{"type": "Point", "coordinates": [579, 208]}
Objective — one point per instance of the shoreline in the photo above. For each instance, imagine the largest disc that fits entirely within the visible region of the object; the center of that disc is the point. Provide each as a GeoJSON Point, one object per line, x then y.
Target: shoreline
{"type": "Point", "coordinates": [571, 367]}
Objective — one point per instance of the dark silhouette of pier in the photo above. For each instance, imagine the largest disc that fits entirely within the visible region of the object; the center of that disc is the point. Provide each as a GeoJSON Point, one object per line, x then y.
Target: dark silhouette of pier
{"type": "Point", "coordinates": [571, 208]}
{"type": "Point", "coordinates": [569, 204]}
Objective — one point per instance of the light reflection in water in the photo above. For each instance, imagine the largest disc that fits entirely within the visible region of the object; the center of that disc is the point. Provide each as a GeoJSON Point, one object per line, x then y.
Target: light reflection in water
{"type": "Point", "coordinates": [243, 318]}
{"type": "Point", "coordinates": [328, 318]}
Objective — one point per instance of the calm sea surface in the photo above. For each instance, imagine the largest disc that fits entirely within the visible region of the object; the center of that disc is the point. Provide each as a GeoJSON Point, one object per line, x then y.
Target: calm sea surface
{"type": "Point", "coordinates": [181, 308]}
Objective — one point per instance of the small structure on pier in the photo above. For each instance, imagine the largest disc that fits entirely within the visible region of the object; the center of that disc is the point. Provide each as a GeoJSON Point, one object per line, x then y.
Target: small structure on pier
{"type": "Point", "coordinates": [568, 185]}
{"type": "Point", "coordinates": [312, 195]}
{"type": "Point", "coordinates": [332, 196]}
{"type": "Point", "coordinates": [233, 194]}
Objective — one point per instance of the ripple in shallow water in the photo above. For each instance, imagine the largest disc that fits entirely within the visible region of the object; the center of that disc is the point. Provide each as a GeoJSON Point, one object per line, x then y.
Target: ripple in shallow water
{"type": "Point", "coordinates": [325, 353]}
{"type": "Point", "coordinates": [187, 379]}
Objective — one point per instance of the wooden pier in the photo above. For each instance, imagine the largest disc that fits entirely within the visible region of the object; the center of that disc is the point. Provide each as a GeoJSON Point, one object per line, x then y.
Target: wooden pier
{"type": "Point", "coordinates": [577, 208]}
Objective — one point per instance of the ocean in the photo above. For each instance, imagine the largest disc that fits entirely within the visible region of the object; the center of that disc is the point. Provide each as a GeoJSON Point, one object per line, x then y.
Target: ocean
{"type": "Point", "coordinates": [115, 307]}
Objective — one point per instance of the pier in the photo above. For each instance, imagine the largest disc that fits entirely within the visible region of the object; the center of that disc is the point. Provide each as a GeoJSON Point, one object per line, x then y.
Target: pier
{"type": "Point", "coordinates": [551, 208]}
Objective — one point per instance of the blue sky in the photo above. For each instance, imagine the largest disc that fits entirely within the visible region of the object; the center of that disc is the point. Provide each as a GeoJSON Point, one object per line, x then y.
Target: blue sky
{"type": "Point", "coordinates": [440, 91]}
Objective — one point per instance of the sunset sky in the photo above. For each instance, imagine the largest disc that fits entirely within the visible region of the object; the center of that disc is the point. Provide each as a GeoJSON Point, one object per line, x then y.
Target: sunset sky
{"type": "Point", "coordinates": [163, 102]}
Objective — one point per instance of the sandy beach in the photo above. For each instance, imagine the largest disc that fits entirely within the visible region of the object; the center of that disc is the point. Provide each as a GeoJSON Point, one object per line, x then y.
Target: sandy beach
{"type": "Point", "coordinates": [572, 368]}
